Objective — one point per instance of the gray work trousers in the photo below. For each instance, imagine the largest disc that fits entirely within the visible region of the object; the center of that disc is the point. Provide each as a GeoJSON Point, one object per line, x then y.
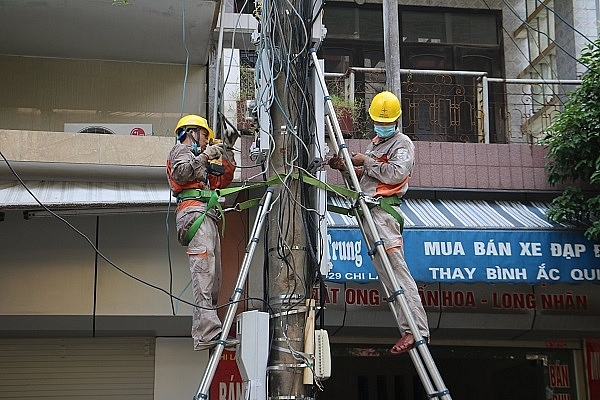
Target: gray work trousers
{"type": "Point", "coordinates": [204, 254]}
{"type": "Point", "coordinates": [389, 231]}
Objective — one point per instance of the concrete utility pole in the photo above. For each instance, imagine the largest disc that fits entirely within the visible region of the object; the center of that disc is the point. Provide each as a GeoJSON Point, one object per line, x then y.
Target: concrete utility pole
{"type": "Point", "coordinates": [287, 270]}
{"type": "Point", "coordinates": [287, 240]}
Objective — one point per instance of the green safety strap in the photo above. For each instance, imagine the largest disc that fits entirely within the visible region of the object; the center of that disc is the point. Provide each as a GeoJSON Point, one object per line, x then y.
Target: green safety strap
{"type": "Point", "coordinates": [386, 204]}
{"type": "Point", "coordinates": [213, 201]}
{"type": "Point", "coordinates": [211, 197]}
{"type": "Point", "coordinates": [341, 190]}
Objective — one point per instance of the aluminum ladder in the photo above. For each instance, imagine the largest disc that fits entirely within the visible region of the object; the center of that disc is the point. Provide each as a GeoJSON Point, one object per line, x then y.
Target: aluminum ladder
{"type": "Point", "coordinates": [420, 355]}
{"type": "Point", "coordinates": [215, 356]}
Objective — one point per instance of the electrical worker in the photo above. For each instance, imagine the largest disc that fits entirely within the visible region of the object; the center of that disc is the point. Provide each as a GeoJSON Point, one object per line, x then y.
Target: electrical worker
{"type": "Point", "coordinates": [384, 170]}
{"type": "Point", "coordinates": [195, 167]}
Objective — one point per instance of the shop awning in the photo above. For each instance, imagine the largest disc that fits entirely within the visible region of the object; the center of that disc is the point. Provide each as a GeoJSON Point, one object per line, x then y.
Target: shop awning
{"type": "Point", "coordinates": [61, 195]}
{"type": "Point", "coordinates": [464, 241]}
{"type": "Point", "coordinates": [461, 214]}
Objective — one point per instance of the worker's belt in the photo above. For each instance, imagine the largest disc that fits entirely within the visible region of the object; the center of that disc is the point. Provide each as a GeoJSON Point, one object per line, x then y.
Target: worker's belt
{"type": "Point", "coordinates": [195, 194]}
{"type": "Point", "coordinates": [387, 203]}
{"type": "Point", "coordinates": [210, 197]}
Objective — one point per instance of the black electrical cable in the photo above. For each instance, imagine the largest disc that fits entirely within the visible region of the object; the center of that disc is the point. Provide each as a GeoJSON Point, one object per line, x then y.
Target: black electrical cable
{"type": "Point", "coordinates": [344, 316]}
{"type": "Point", "coordinates": [95, 278]}
{"type": "Point", "coordinates": [168, 234]}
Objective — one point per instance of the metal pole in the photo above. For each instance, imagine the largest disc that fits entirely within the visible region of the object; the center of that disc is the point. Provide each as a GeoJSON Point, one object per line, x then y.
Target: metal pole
{"type": "Point", "coordinates": [486, 109]}
{"type": "Point", "coordinates": [218, 69]}
{"type": "Point", "coordinates": [391, 46]}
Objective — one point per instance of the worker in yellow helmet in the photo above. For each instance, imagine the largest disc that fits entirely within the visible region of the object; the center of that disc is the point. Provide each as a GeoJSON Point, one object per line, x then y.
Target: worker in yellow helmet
{"type": "Point", "coordinates": [384, 171]}
{"type": "Point", "coordinates": [192, 179]}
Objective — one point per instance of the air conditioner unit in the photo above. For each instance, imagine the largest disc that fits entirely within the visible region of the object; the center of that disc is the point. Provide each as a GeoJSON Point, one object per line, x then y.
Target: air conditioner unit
{"type": "Point", "coordinates": [115, 129]}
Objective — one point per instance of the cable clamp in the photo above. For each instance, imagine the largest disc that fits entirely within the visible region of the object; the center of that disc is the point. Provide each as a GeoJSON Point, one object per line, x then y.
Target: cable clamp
{"type": "Point", "coordinates": [288, 350]}
{"type": "Point", "coordinates": [372, 251]}
{"type": "Point", "coordinates": [393, 296]}
{"type": "Point", "coordinates": [285, 367]}
{"type": "Point", "coordinates": [298, 310]}
{"type": "Point", "coordinates": [439, 394]}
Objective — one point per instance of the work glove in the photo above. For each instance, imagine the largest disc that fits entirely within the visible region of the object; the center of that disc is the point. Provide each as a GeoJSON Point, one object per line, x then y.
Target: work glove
{"type": "Point", "coordinates": [336, 162]}
{"type": "Point", "coordinates": [213, 152]}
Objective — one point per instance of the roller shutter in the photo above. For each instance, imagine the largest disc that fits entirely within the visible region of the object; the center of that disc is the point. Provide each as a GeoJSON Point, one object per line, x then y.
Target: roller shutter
{"type": "Point", "coordinates": [77, 368]}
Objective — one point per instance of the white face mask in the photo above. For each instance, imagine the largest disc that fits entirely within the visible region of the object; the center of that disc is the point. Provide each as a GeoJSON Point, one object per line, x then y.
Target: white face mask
{"type": "Point", "coordinates": [384, 131]}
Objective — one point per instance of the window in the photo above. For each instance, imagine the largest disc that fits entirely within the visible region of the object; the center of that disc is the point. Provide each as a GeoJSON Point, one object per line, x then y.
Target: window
{"type": "Point", "coordinates": [423, 27]}
{"type": "Point", "coordinates": [538, 31]}
{"type": "Point", "coordinates": [432, 39]}
{"type": "Point", "coordinates": [449, 27]}
{"type": "Point", "coordinates": [353, 23]}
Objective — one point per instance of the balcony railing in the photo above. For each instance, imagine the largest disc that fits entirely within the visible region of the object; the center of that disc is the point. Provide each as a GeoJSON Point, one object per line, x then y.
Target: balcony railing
{"type": "Point", "coordinates": [456, 106]}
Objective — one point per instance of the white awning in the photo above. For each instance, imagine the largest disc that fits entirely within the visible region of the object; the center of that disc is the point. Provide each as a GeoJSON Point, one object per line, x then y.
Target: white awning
{"type": "Point", "coordinates": [462, 214]}
{"type": "Point", "coordinates": [65, 195]}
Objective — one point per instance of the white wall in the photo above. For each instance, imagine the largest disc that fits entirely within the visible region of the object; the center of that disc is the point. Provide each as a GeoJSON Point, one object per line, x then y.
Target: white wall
{"type": "Point", "coordinates": [43, 93]}
{"type": "Point", "coordinates": [178, 368]}
{"type": "Point", "coordinates": [46, 268]}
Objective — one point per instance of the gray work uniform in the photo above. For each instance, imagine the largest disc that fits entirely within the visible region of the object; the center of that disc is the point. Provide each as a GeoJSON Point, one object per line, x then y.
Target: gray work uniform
{"type": "Point", "coordinates": [386, 172]}
{"type": "Point", "coordinates": [185, 170]}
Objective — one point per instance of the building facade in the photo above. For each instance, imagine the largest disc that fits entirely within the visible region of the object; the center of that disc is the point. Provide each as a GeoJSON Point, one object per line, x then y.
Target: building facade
{"type": "Point", "coordinates": [93, 299]}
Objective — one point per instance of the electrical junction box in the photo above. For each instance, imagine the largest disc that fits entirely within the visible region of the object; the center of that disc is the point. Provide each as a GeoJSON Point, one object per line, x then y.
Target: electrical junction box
{"type": "Point", "coordinates": [115, 129]}
{"type": "Point", "coordinates": [322, 355]}
{"type": "Point", "coordinates": [252, 330]}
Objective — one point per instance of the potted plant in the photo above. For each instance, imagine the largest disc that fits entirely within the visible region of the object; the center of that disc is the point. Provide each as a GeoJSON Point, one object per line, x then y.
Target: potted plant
{"type": "Point", "coordinates": [347, 112]}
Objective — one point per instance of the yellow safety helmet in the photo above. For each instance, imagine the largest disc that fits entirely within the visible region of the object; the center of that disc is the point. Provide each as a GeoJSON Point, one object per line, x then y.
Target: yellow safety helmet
{"type": "Point", "coordinates": [193, 120]}
{"type": "Point", "coordinates": [385, 107]}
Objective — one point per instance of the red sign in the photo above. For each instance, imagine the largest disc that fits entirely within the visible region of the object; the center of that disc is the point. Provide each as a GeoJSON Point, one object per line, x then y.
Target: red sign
{"type": "Point", "coordinates": [227, 382]}
{"type": "Point", "coordinates": [559, 376]}
{"type": "Point", "coordinates": [592, 356]}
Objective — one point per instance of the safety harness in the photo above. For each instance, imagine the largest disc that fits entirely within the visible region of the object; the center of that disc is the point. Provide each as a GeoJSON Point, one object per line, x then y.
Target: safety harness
{"type": "Point", "coordinates": [387, 203]}
{"type": "Point", "coordinates": [210, 197]}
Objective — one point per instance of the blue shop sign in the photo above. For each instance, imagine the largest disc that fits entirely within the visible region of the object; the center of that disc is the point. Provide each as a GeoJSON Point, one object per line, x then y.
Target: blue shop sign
{"type": "Point", "coordinates": [492, 256]}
